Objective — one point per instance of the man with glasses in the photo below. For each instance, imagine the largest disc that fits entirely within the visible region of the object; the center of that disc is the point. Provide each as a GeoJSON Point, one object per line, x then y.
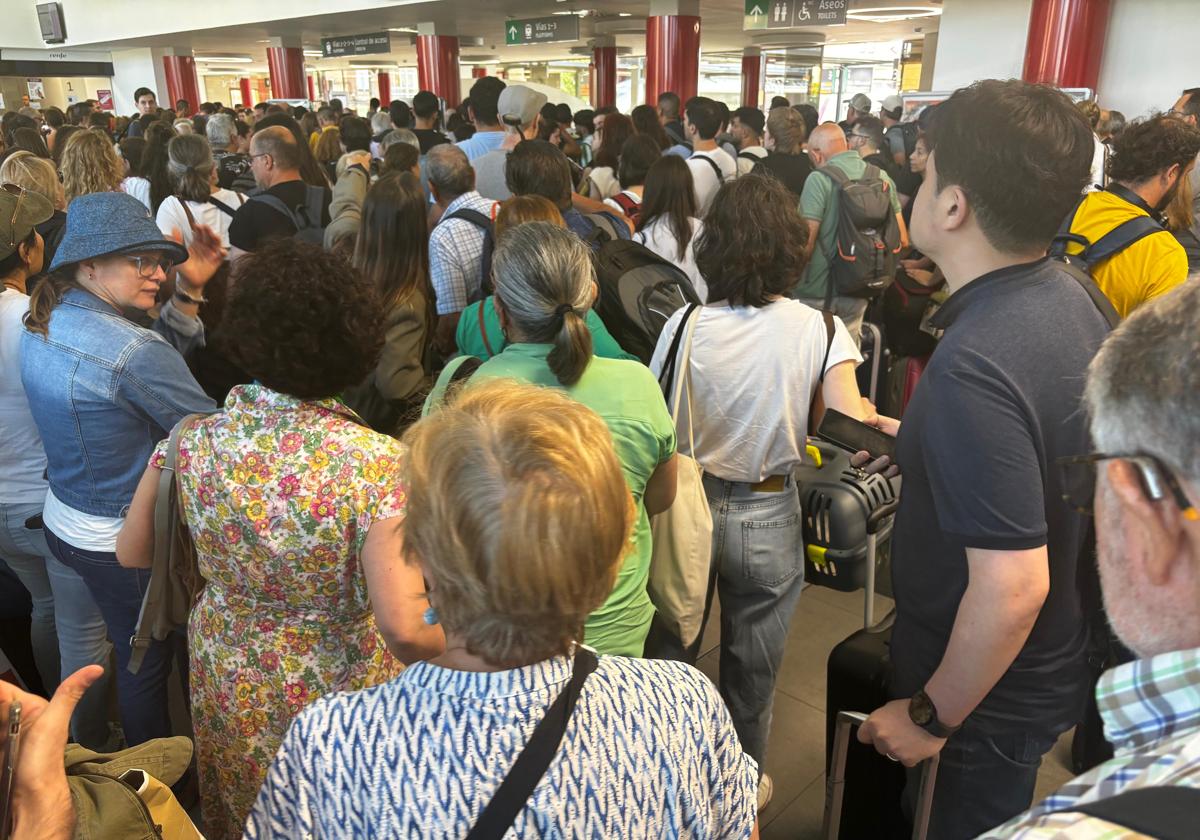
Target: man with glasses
{"type": "Point", "coordinates": [988, 645]}
{"type": "Point", "coordinates": [275, 164]}
{"type": "Point", "coordinates": [1187, 108]}
{"type": "Point", "coordinates": [1145, 421]}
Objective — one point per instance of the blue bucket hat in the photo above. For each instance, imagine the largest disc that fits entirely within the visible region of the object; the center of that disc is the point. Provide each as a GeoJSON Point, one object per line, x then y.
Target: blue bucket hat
{"type": "Point", "coordinates": [106, 223]}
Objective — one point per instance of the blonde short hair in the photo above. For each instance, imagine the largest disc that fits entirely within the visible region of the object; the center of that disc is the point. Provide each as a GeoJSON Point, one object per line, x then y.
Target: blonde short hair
{"type": "Point", "coordinates": [36, 174]}
{"type": "Point", "coordinates": [90, 164]}
{"type": "Point", "coordinates": [520, 516]}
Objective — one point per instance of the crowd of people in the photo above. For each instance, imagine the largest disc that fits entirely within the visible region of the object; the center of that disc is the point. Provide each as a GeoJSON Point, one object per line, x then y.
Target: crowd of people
{"type": "Point", "coordinates": [419, 470]}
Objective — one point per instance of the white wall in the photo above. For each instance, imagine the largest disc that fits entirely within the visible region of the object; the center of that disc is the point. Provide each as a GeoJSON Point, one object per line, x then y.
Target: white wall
{"type": "Point", "coordinates": [135, 68]}
{"type": "Point", "coordinates": [980, 39]}
{"type": "Point", "coordinates": [1150, 55]}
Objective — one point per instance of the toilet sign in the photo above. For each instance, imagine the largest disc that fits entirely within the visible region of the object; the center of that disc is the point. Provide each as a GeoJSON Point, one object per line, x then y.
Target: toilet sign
{"type": "Point", "coordinates": [787, 14]}
{"type": "Point", "coordinates": [546, 30]}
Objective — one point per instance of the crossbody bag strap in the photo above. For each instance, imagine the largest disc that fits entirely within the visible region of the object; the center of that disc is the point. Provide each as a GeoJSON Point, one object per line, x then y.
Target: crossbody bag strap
{"type": "Point", "coordinates": [666, 379]}
{"type": "Point", "coordinates": [816, 406]}
{"type": "Point", "coordinates": [533, 762]}
{"type": "Point", "coordinates": [1166, 812]}
{"type": "Point", "coordinates": [483, 331]}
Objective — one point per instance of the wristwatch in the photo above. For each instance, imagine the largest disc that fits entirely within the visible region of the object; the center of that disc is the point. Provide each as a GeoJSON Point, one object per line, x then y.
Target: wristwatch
{"type": "Point", "coordinates": [923, 713]}
{"type": "Point", "coordinates": [184, 297]}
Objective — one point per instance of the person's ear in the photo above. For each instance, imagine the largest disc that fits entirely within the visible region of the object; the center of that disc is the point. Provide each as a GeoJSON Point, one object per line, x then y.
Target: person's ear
{"type": "Point", "coordinates": [1171, 176]}
{"type": "Point", "coordinates": [953, 207]}
{"type": "Point", "coordinates": [595, 292]}
{"type": "Point", "coordinates": [1160, 538]}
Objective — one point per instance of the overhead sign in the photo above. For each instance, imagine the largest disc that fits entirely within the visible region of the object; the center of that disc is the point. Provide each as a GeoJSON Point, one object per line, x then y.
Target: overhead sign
{"type": "Point", "coordinates": [7, 54]}
{"type": "Point", "coordinates": [786, 14]}
{"type": "Point", "coordinates": [36, 88]}
{"type": "Point", "coordinates": [546, 30]}
{"type": "Point", "coordinates": [372, 43]}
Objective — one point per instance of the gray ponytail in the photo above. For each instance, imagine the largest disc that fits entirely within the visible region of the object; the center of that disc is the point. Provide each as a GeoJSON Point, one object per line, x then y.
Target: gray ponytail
{"type": "Point", "coordinates": [544, 279]}
{"type": "Point", "coordinates": [190, 164]}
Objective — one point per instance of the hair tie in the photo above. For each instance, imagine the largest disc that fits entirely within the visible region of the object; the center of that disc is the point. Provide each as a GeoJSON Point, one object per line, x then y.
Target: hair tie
{"type": "Point", "coordinates": [563, 309]}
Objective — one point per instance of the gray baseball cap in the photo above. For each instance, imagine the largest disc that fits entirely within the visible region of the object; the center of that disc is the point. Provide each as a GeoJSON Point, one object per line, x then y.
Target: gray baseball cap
{"type": "Point", "coordinates": [860, 102]}
{"type": "Point", "coordinates": [518, 105]}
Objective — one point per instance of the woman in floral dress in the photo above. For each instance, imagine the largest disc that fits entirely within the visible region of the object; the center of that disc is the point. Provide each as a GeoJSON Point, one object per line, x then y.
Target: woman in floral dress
{"type": "Point", "coordinates": [293, 506]}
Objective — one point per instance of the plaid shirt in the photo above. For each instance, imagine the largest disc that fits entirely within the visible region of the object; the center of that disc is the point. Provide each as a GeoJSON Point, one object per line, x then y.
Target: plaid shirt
{"type": "Point", "coordinates": [1151, 711]}
{"type": "Point", "coordinates": [456, 254]}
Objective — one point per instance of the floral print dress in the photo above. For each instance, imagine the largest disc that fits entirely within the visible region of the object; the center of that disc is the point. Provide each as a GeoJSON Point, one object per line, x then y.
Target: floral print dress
{"type": "Point", "coordinates": [278, 494]}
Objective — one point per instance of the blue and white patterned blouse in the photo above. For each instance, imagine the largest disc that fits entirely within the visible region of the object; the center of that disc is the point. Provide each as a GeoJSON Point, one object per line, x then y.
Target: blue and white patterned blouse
{"type": "Point", "coordinates": [650, 751]}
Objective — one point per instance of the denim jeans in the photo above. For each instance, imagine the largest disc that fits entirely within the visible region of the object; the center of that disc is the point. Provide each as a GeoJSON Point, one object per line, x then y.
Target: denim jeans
{"type": "Point", "coordinates": [850, 310]}
{"type": "Point", "coordinates": [758, 555]}
{"type": "Point", "coordinates": [118, 592]}
{"type": "Point", "coordinates": [68, 630]}
{"type": "Point", "coordinates": [982, 781]}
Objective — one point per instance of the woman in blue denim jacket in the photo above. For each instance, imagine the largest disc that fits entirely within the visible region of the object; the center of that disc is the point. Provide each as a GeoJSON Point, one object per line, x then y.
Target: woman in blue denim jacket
{"type": "Point", "coordinates": [103, 392]}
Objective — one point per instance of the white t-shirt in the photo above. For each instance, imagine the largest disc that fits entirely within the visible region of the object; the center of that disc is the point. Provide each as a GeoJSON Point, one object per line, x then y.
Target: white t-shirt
{"type": "Point", "coordinates": [659, 238]}
{"type": "Point", "coordinates": [171, 215]}
{"type": "Point", "coordinates": [748, 157]}
{"type": "Point", "coordinates": [139, 188]}
{"type": "Point", "coordinates": [705, 179]}
{"type": "Point", "coordinates": [79, 529]}
{"type": "Point", "coordinates": [754, 372]}
{"type": "Point", "coordinates": [22, 458]}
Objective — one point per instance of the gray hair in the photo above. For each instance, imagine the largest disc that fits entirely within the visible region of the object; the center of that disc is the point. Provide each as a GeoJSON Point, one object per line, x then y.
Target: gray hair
{"type": "Point", "coordinates": [381, 122]}
{"type": "Point", "coordinates": [221, 130]}
{"type": "Point", "coordinates": [449, 170]}
{"type": "Point", "coordinates": [399, 135]}
{"type": "Point", "coordinates": [545, 280]}
{"type": "Point", "coordinates": [1143, 388]}
{"type": "Point", "coordinates": [190, 165]}
{"type": "Point", "coordinates": [184, 126]}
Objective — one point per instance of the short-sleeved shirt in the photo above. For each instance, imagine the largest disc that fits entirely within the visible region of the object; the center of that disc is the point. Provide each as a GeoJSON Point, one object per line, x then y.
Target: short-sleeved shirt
{"type": "Point", "coordinates": [490, 175]}
{"type": "Point", "coordinates": [479, 333]}
{"type": "Point", "coordinates": [428, 138]}
{"type": "Point", "coordinates": [255, 222]}
{"type": "Point", "coordinates": [999, 402]}
{"type": "Point", "coordinates": [481, 142]}
{"type": "Point", "coordinates": [704, 176]}
{"type": "Point", "coordinates": [754, 372]}
{"type": "Point", "coordinates": [818, 203]}
{"type": "Point", "coordinates": [649, 751]}
{"type": "Point", "coordinates": [456, 254]}
{"type": "Point", "coordinates": [627, 398]}
{"type": "Point", "coordinates": [792, 170]}
{"type": "Point", "coordinates": [1150, 267]}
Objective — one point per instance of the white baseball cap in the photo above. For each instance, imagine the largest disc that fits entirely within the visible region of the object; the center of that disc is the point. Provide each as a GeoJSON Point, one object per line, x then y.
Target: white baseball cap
{"type": "Point", "coordinates": [892, 103]}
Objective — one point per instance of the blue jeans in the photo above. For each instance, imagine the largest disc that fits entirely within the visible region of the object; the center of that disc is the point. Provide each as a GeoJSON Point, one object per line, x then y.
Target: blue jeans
{"type": "Point", "coordinates": [118, 592]}
{"type": "Point", "coordinates": [68, 630]}
{"type": "Point", "coordinates": [758, 555]}
{"type": "Point", "coordinates": [982, 781]}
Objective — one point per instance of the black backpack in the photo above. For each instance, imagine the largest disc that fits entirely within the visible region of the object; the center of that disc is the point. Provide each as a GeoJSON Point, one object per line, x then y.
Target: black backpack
{"type": "Point", "coordinates": [484, 223]}
{"type": "Point", "coordinates": [306, 217]}
{"type": "Point", "coordinates": [867, 242]}
{"type": "Point", "coordinates": [639, 291]}
{"type": "Point", "coordinates": [911, 132]}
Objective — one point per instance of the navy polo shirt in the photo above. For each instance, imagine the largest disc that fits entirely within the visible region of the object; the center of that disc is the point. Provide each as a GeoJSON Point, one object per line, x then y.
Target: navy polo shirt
{"type": "Point", "coordinates": [999, 402]}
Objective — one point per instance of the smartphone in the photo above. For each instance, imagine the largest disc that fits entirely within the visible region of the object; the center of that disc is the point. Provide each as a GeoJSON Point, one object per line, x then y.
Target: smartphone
{"type": "Point", "coordinates": [12, 745]}
{"type": "Point", "coordinates": [848, 433]}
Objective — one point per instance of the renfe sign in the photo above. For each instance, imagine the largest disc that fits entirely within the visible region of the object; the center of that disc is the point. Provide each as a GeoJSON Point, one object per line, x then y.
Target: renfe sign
{"type": "Point", "coordinates": [786, 14]}
{"type": "Point", "coordinates": [369, 44]}
{"type": "Point", "coordinates": [544, 30]}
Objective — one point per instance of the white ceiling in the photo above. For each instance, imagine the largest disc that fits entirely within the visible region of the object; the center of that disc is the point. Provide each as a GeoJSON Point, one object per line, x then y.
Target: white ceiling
{"type": "Point", "coordinates": [721, 30]}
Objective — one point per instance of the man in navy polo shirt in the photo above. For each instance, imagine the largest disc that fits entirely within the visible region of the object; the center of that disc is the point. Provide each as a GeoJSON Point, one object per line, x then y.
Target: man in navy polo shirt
{"type": "Point", "coordinates": [988, 644]}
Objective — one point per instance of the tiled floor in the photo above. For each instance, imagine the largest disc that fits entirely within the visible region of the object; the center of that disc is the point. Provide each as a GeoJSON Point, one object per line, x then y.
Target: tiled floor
{"type": "Point", "coordinates": [796, 751]}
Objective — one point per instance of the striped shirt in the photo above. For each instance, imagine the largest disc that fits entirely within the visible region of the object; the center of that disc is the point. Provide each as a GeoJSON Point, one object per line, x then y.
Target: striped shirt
{"type": "Point", "coordinates": [456, 254]}
{"type": "Point", "coordinates": [1151, 711]}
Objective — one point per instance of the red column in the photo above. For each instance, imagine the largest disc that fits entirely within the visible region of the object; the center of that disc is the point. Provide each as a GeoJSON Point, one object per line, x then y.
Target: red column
{"type": "Point", "coordinates": [672, 56]}
{"type": "Point", "coordinates": [286, 66]}
{"type": "Point", "coordinates": [1066, 42]}
{"type": "Point", "coordinates": [385, 90]}
{"type": "Point", "coordinates": [478, 72]}
{"type": "Point", "coordinates": [180, 72]}
{"type": "Point", "coordinates": [604, 87]}
{"type": "Point", "coordinates": [312, 89]}
{"type": "Point", "coordinates": [437, 66]}
{"type": "Point", "coordinates": [247, 96]}
{"type": "Point", "coordinates": [752, 63]}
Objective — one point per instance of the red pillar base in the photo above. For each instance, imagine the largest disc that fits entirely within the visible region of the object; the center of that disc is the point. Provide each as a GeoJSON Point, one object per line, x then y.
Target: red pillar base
{"type": "Point", "coordinates": [1066, 42]}
{"type": "Point", "coordinates": [437, 67]}
{"type": "Point", "coordinates": [286, 65]}
{"type": "Point", "coordinates": [672, 56]}
{"type": "Point", "coordinates": [247, 95]}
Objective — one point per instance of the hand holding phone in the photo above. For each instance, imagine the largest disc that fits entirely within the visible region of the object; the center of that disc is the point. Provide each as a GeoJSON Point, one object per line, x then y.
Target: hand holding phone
{"type": "Point", "coordinates": [855, 435]}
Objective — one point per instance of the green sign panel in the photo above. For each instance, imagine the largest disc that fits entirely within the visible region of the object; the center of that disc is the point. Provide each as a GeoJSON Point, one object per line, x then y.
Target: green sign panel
{"type": "Point", "coordinates": [545, 30]}
{"type": "Point", "coordinates": [787, 14]}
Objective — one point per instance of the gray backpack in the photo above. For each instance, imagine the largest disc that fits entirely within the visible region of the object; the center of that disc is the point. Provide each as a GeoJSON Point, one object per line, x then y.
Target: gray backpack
{"type": "Point", "coordinates": [867, 244]}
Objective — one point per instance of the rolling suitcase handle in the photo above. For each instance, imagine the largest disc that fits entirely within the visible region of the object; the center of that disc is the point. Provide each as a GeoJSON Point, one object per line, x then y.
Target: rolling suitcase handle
{"type": "Point", "coordinates": [836, 783]}
{"type": "Point", "coordinates": [874, 522]}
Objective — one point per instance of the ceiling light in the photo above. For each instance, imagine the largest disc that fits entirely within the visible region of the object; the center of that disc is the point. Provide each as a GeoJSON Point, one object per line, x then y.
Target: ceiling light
{"type": "Point", "coordinates": [226, 59]}
{"type": "Point", "coordinates": [314, 53]}
{"type": "Point", "coordinates": [263, 41]}
{"type": "Point", "coordinates": [624, 14]}
{"type": "Point", "coordinates": [892, 14]}
{"type": "Point", "coordinates": [410, 30]}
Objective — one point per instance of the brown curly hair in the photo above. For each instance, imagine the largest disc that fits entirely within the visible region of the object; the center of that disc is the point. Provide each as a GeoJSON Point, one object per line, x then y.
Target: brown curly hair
{"type": "Point", "coordinates": [302, 321]}
{"type": "Point", "coordinates": [753, 241]}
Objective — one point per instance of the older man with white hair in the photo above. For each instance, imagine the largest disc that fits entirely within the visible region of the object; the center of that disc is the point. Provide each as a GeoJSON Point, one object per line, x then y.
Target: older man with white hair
{"type": "Point", "coordinates": [1143, 394]}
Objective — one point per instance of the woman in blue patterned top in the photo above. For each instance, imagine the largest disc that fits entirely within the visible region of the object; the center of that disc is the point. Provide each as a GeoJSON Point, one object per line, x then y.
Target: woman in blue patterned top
{"type": "Point", "coordinates": [504, 485]}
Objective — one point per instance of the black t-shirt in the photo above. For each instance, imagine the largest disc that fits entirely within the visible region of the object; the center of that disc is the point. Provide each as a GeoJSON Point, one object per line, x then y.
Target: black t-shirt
{"type": "Point", "coordinates": [999, 402]}
{"type": "Point", "coordinates": [428, 138]}
{"type": "Point", "coordinates": [792, 170]}
{"type": "Point", "coordinates": [256, 221]}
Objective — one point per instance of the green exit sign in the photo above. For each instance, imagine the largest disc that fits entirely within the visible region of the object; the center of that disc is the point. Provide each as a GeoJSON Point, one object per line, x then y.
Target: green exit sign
{"type": "Point", "coordinates": [545, 30]}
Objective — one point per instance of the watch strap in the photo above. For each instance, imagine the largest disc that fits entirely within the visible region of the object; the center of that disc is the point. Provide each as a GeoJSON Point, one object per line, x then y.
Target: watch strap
{"type": "Point", "coordinates": [934, 726]}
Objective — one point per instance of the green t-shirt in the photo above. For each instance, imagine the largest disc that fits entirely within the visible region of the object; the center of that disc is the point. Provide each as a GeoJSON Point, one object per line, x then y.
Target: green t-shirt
{"type": "Point", "coordinates": [627, 397]}
{"type": "Point", "coordinates": [470, 340]}
{"type": "Point", "coordinates": [817, 203]}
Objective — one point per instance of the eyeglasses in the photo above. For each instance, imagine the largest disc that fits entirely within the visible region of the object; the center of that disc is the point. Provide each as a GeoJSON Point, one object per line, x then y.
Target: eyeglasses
{"type": "Point", "coordinates": [1079, 481]}
{"type": "Point", "coordinates": [147, 265]}
{"type": "Point", "coordinates": [260, 154]}
{"type": "Point", "coordinates": [19, 192]}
